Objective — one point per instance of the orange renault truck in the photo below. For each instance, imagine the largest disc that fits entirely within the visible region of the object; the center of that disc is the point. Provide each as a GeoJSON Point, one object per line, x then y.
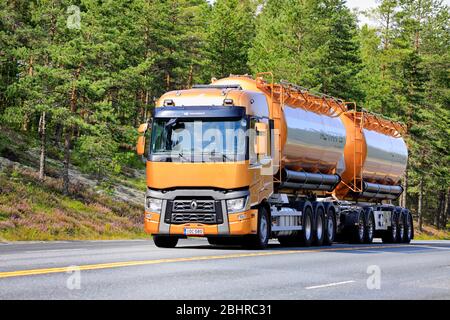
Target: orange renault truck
{"type": "Point", "coordinates": [244, 160]}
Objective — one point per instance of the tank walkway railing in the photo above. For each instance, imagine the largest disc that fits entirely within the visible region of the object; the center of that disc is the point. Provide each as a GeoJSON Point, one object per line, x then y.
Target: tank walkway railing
{"type": "Point", "coordinates": [298, 96]}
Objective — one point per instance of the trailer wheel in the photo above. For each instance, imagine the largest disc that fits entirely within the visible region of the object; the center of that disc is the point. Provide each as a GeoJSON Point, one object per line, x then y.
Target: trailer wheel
{"type": "Point", "coordinates": [261, 239]}
{"type": "Point", "coordinates": [358, 233]}
{"type": "Point", "coordinates": [409, 228]}
{"type": "Point", "coordinates": [369, 228]}
{"type": "Point", "coordinates": [163, 241]}
{"type": "Point", "coordinates": [330, 232]}
{"type": "Point", "coordinates": [390, 236]}
{"type": "Point", "coordinates": [320, 227]}
{"type": "Point", "coordinates": [401, 228]}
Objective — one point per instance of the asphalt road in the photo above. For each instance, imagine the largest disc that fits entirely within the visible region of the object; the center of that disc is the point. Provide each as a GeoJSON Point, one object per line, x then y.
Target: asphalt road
{"type": "Point", "coordinates": [195, 270]}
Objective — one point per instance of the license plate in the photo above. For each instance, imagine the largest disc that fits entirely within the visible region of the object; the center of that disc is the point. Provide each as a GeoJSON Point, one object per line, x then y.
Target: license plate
{"type": "Point", "coordinates": [193, 232]}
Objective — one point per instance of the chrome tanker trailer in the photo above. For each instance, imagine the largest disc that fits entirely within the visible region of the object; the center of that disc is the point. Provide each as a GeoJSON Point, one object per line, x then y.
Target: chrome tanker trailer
{"type": "Point", "coordinates": [245, 160]}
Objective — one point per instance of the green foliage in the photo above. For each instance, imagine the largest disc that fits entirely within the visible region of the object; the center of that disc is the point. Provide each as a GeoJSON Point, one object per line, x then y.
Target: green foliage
{"type": "Point", "coordinates": [230, 33]}
{"type": "Point", "coordinates": [95, 154]}
{"type": "Point", "coordinates": [310, 42]}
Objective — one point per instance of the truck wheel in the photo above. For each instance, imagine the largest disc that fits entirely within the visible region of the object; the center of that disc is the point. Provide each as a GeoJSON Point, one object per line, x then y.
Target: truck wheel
{"type": "Point", "coordinates": [358, 233]}
{"type": "Point", "coordinates": [330, 232]}
{"type": "Point", "coordinates": [261, 239]}
{"type": "Point", "coordinates": [306, 235]}
{"type": "Point", "coordinates": [390, 236]}
{"type": "Point", "coordinates": [409, 228]}
{"type": "Point", "coordinates": [369, 228]}
{"type": "Point", "coordinates": [165, 241]}
{"type": "Point", "coordinates": [319, 232]}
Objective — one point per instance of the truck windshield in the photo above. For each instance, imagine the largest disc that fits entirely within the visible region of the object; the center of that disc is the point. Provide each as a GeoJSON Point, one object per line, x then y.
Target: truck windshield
{"type": "Point", "coordinates": [195, 140]}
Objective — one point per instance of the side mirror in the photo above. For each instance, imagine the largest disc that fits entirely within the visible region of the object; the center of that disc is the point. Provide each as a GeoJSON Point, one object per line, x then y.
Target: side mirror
{"type": "Point", "coordinates": [140, 144]}
{"type": "Point", "coordinates": [261, 138]}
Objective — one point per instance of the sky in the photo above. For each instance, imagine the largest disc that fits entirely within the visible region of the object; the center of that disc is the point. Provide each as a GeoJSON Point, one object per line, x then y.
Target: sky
{"type": "Point", "coordinates": [367, 4]}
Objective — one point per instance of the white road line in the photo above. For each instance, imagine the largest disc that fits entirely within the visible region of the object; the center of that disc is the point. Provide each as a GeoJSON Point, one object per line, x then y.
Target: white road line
{"type": "Point", "coordinates": [329, 285]}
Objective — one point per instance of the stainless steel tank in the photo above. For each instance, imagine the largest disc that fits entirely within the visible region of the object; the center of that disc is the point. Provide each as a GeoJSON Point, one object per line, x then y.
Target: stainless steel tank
{"type": "Point", "coordinates": [386, 158]}
{"type": "Point", "coordinates": [314, 142]}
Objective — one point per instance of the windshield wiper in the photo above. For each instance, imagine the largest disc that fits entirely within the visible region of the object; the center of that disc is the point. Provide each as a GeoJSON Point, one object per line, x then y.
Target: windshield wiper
{"type": "Point", "coordinates": [171, 122]}
{"type": "Point", "coordinates": [180, 154]}
{"type": "Point", "coordinates": [223, 155]}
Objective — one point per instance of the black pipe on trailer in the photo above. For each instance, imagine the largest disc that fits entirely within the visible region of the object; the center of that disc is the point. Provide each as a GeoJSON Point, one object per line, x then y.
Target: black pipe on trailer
{"type": "Point", "coordinates": [308, 181]}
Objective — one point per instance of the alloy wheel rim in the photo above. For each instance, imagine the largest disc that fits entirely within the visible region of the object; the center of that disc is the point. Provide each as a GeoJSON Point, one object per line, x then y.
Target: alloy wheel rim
{"type": "Point", "coordinates": [402, 230]}
{"type": "Point", "coordinates": [330, 228]}
{"type": "Point", "coordinates": [394, 230]}
{"type": "Point", "coordinates": [308, 227]}
{"type": "Point", "coordinates": [319, 227]}
{"type": "Point", "coordinates": [361, 228]}
{"type": "Point", "coordinates": [263, 229]}
{"type": "Point", "coordinates": [409, 228]}
{"type": "Point", "coordinates": [370, 228]}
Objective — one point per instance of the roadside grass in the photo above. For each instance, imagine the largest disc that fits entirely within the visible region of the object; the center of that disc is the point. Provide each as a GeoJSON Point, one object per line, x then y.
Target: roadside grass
{"type": "Point", "coordinates": [35, 210]}
{"type": "Point", "coordinates": [432, 233]}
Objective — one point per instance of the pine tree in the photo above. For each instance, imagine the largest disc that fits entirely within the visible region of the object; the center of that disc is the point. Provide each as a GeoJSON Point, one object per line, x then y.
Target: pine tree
{"type": "Point", "coordinates": [230, 33]}
{"type": "Point", "coordinates": [313, 43]}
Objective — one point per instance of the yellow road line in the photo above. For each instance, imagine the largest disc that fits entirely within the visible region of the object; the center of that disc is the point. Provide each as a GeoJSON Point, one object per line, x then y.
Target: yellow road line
{"type": "Point", "coordinates": [20, 273]}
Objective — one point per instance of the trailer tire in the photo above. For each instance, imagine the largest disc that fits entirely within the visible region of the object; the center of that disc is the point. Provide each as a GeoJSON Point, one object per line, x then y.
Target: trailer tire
{"type": "Point", "coordinates": [390, 236]}
{"type": "Point", "coordinates": [409, 227]}
{"type": "Point", "coordinates": [261, 239]}
{"type": "Point", "coordinates": [369, 227]}
{"type": "Point", "coordinates": [401, 228]}
{"type": "Point", "coordinates": [164, 241]}
{"type": "Point", "coordinates": [358, 232]}
{"type": "Point", "coordinates": [319, 230]}
{"type": "Point", "coordinates": [330, 232]}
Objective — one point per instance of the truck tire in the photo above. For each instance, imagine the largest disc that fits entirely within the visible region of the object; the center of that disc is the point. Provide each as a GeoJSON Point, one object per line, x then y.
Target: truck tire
{"type": "Point", "coordinates": [358, 233]}
{"type": "Point", "coordinates": [163, 241]}
{"type": "Point", "coordinates": [409, 227]}
{"type": "Point", "coordinates": [390, 236]}
{"type": "Point", "coordinates": [319, 229]}
{"type": "Point", "coordinates": [261, 239]}
{"type": "Point", "coordinates": [305, 236]}
{"type": "Point", "coordinates": [330, 228]}
{"type": "Point", "coordinates": [369, 227]}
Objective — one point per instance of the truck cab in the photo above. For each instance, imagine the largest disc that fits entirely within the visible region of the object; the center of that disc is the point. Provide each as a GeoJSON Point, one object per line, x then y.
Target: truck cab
{"type": "Point", "coordinates": [206, 151]}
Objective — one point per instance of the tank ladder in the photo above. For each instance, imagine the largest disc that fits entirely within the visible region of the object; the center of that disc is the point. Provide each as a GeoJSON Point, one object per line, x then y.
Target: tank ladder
{"type": "Point", "coordinates": [358, 152]}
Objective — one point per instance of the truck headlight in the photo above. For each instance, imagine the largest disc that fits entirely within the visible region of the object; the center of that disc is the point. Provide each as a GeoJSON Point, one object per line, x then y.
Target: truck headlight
{"type": "Point", "coordinates": [236, 205]}
{"type": "Point", "coordinates": [154, 205]}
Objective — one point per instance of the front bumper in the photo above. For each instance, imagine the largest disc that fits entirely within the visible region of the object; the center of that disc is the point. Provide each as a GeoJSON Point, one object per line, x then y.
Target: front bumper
{"type": "Point", "coordinates": [242, 223]}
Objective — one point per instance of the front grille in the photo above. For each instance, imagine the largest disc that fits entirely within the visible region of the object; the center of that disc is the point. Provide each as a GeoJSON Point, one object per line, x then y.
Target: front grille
{"type": "Point", "coordinates": [207, 218]}
{"type": "Point", "coordinates": [193, 206]}
{"type": "Point", "coordinates": [206, 211]}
